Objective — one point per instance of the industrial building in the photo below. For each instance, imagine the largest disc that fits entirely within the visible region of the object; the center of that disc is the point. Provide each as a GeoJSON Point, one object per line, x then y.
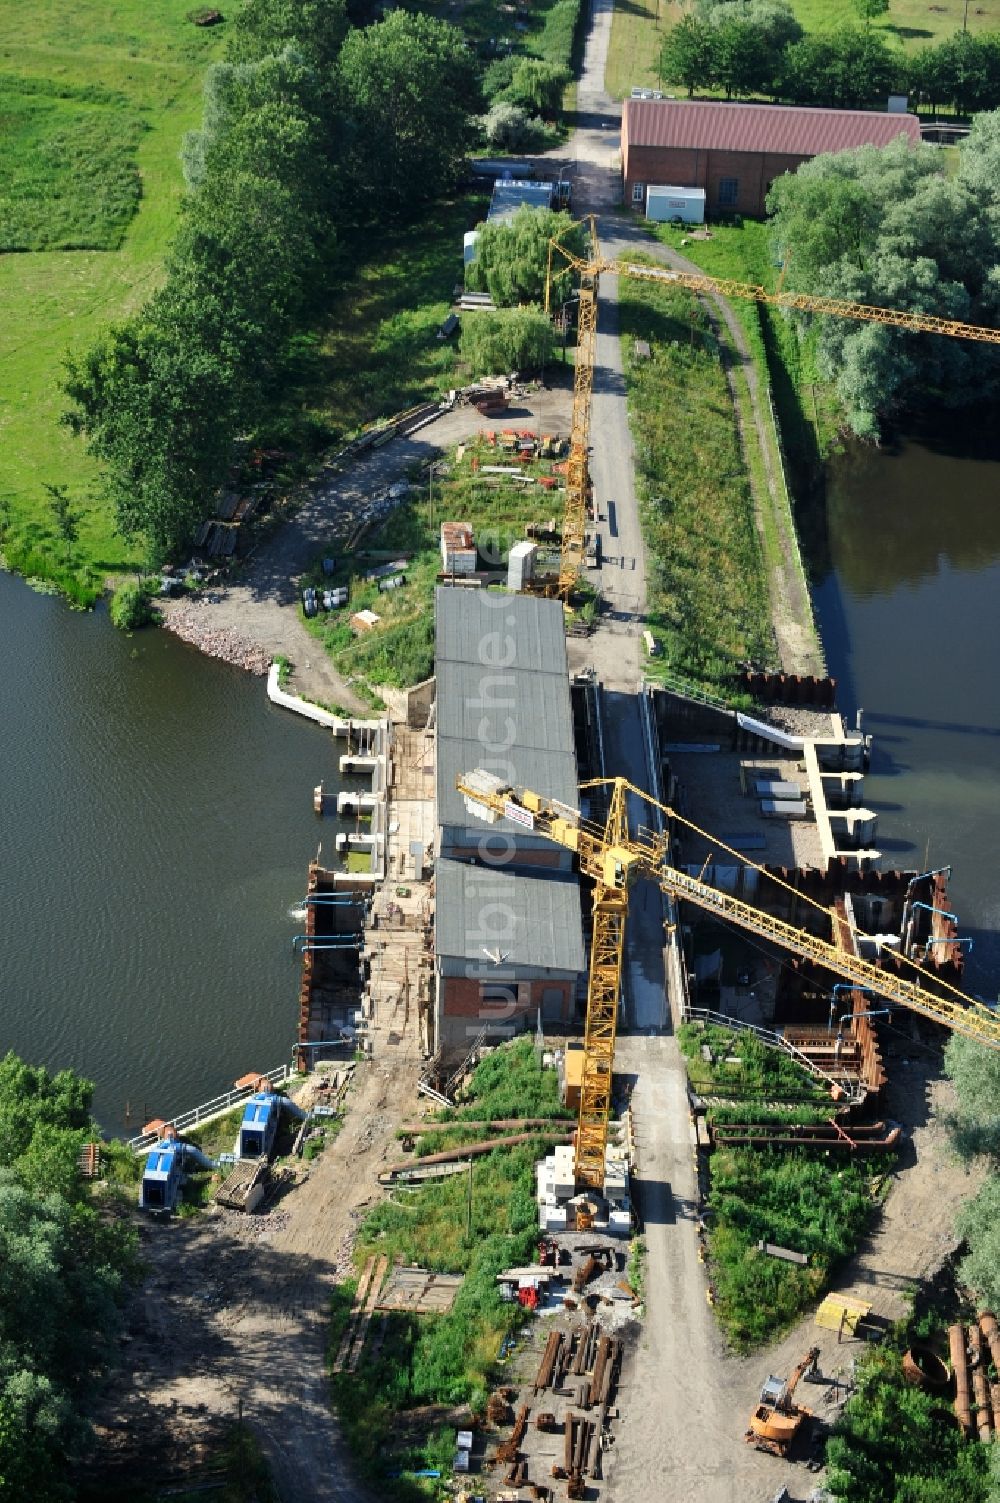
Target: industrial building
{"type": "Point", "coordinates": [735, 151]}
{"type": "Point", "coordinates": [508, 939]}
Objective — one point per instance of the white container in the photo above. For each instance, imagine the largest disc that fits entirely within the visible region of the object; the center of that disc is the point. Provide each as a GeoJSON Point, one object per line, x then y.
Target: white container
{"type": "Point", "coordinates": [521, 565]}
{"type": "Point", "coordinates": [664, 203]}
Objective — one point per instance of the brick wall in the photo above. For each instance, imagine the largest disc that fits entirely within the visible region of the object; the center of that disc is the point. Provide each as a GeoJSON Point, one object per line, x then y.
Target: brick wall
{"type": "Point", "coordinates": [462, 1008]}
{"type": "Point", "coordinates": [753, 172]}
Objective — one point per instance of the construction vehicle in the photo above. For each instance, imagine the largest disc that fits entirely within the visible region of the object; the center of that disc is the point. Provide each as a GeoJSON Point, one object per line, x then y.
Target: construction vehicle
{"type": "Point", "coordinates": [571, 556]}
{"type": "Point", "coordinates": [614, 858]}
{"type": "Point", "coordinates": [777, 1419]}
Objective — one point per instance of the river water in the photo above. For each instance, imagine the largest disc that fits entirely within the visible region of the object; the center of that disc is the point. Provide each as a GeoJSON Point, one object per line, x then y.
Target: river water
{"type": "Point", "coordinates": [908, 600]}
{"type": "Point", "coordinates": [155, 829]}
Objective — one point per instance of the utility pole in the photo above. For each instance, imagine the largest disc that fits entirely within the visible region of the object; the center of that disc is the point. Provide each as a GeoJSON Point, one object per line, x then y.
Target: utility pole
{"type": "Point", "coordinates": [468, 1215]}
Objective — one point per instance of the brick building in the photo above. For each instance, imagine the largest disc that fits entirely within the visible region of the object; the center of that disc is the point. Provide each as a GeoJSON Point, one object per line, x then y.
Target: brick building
{"type": "Point", "coordinates": [735, 151]}
{"type": "Point", "coordinates": [508, 937]}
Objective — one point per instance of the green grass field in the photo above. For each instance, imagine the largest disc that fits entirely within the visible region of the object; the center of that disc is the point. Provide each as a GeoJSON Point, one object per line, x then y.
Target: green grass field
{"type": "Point", "coordinates": [68, 169]}
{"type": "Point", "coordinates": [64, 63]}
{"type": "Point", "coordinates": [639, 26]}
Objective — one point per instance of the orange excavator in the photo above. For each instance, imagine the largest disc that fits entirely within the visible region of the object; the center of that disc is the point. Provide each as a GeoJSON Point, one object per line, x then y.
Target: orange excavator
{"type": "Point", "coordinates": [777, 1419]}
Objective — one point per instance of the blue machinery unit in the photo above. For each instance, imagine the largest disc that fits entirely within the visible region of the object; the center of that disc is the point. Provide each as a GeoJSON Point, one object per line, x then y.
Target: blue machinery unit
{"type": "Point", "coordinates": [164, 1174]}
{"type": "Point", "coordinates": [168, 1162]}
{"type": "Point", "coordinates": [259, 1127]}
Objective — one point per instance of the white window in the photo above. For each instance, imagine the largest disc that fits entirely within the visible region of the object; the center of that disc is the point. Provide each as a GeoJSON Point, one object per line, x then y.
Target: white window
{"type": "Point", "coordinates": [638, 193]}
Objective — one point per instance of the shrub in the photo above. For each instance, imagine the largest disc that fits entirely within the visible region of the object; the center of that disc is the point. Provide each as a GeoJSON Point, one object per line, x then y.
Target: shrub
{"type": "Point", "coordinates": [508, 127]}
{"type": "Point", "coordinates": [130, 607]}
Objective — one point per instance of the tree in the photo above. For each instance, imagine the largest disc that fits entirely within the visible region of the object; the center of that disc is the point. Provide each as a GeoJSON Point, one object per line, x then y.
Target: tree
{"type": "Point", "coordinates": [846, 69]}
{"type": "Point", "coordinates": [512, 339]}
{"type": "Point", "coordinates": [870, 10]}
{"type": "Point", "coordinates": [976, 1074]}
{"type": "Point", "coordinates": [979, 1223]}
{"type": "Point", "coordinates": [752, 40]}
{"type": "Point", "coordinates": [512, 257]}
{"type": "Point", "coordinates": [689, 54]}
{"type": "Point", "coordinates": [406, 88]}
{"type": "Point", "coordinates": [67, 519]}
{"type": "Point", "coordinates": [62, 1273]}
{"type": "Point", "coordinates": [538, 86]}
{"type": "Point", "coordinates": [742, 60]}
{"type": "Point", "coordinates": [314, 29]}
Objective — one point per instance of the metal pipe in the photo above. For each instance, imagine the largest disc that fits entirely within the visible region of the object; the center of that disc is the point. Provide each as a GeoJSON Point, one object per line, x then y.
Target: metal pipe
{"type": "Point", "coordinates": [935, 872]}
{"type": "Point", "coordinates": [941, 911]}
{"type": "Point", "coordinates": [876, 1012]}
{"type": "Point", "coordinates": [944, 939]}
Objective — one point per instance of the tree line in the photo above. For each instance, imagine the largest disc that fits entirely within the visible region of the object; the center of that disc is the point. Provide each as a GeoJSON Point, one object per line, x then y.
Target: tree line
{"type": "Point", "coordinates": [63, 1272]}
{"type": "Point", "coordinates": [760, 49]}
{"type": "Point", "coordinates": [314, 132]}
{"type": "Point", "coordinates": [894, 228]}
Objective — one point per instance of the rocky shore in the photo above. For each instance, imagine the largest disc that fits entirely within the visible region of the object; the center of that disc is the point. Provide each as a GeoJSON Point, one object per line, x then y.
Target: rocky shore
{"type": "Point", "coordinates": [195, 622]}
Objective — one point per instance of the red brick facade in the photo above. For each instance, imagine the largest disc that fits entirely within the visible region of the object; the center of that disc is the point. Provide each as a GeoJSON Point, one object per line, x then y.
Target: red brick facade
{"type": "Point", "coordinates": [466, 1002]}
{"type": "Point", "coordinates": [749, 175]}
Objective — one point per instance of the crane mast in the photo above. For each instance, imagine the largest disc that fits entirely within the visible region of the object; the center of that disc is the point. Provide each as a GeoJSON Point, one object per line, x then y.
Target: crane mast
{"type": "Point", "coordinates": [613, 858]}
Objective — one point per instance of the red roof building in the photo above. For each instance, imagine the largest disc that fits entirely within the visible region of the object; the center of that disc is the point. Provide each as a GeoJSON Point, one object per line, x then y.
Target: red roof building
{"type": "Point", "coordinates": [735, 151]}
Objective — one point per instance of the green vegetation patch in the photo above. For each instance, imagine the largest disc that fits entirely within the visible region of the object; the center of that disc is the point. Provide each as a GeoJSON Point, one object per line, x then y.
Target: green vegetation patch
{"type": "Point", "coordinates": [708, 603]}
{"type": "Point", "coordinates": [807, 1201]}
{"type": "Point", "coordinates": [738, 1066]}
{"type": "Point", "coordinates": [796, 1199]}
{"type": "Point", "coordinates": [895, 1443]}
{"type": "Point", "coordinates": [400, 650]}
{"type": "Point", "coordinates": [69, 175]}
{"type": "Point", "coordinates": [444, 1359]}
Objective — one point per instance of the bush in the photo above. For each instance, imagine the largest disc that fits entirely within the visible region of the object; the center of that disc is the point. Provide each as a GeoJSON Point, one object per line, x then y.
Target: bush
{"type": "Point", "coordinates": [508, 127]}
{"type": "Point", "coordinates": [130, 607]}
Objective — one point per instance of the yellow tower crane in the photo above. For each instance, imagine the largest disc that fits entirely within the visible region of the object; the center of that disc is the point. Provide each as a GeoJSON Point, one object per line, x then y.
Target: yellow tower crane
{"type": "Point", "coordinates": [578, 475]}
{"type": "Point", "coordinates": [613, 857]}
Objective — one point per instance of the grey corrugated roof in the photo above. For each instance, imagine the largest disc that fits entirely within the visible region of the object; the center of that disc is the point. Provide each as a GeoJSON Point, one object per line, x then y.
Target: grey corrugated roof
{"type": "Point", "coordinates": [795, 130]}
{"type": "Point", "coordinates": [508, 196]}
{"type": "Point", "coordinates": [503, 700]}
{"type": "Point", "coordinates": [533, 921]}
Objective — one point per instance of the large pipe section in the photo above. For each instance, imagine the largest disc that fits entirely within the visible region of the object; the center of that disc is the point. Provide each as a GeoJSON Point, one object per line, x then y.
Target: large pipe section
{"type": "Point", "coordinates": [991, 1330]}
{"type": "Point", "coordinates": [980, 1390]}
{"type": "Point", "coordinates": [960, 1367]}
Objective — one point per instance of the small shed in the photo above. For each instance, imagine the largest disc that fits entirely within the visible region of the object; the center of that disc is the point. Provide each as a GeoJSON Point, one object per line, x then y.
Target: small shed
{"type": "Point", "coordinates": [572, 1074]}
{"type": "Point", "coordinates": [665, 203]}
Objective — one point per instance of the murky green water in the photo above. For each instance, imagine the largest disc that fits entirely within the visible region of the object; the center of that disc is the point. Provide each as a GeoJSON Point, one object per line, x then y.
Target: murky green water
{"type": "Point", "coordinates": [910, 615]}
{"type": "Point", "coordinates": [155, 828]}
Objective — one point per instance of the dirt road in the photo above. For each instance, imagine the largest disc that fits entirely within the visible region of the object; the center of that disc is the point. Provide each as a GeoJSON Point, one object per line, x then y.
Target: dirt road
{"type": "Point", "coordinates": [237, 1307]}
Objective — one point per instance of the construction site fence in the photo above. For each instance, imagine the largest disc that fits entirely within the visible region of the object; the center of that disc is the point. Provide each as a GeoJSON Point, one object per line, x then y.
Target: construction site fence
{"type": "Point", "coordinates": [217, 1107]}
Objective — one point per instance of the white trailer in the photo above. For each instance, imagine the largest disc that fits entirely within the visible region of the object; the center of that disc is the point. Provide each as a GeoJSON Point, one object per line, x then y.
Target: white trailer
{"type": "Point", "coordinates": [665, 203]}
